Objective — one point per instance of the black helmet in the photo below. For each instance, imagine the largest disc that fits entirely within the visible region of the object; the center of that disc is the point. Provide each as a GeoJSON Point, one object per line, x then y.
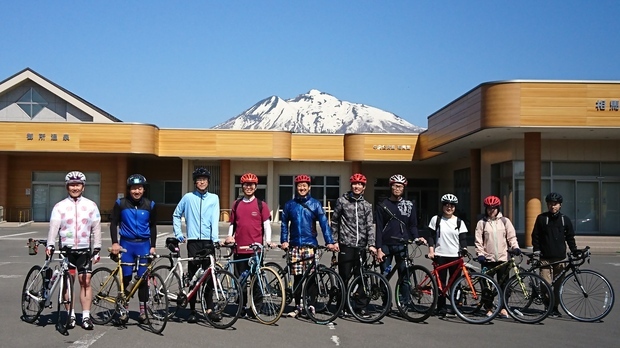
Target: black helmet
{"type": "Point", "coordinates": [554, 197]}
{"type": "Point", "coordinates": [201, 171]}
{"type": "Point", "coordinates": [136, 179]}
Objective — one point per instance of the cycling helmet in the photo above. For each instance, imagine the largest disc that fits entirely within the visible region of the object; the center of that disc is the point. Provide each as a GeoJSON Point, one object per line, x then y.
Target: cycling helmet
{"type": "Point", "coordinates": [357, 177]}
{"type": "Point", "coordinates": [201, 172]}
{"type": "Point", "coordinates": [136, 179]}
{"type": "Point", "coordinates": [398, 179]}
{"type": "Point", "coordinates": [492, 201]}
{"type": "Point", "coordinates": [250, 178]}
{"type": "Point", "coordinates": [554, 197]}
{"type": "Point", "coordinates": [75, 177]}
{"type": "Point", "coordinates": [449, 198]}
{"type": "Point", "coordinates": [302, 178]}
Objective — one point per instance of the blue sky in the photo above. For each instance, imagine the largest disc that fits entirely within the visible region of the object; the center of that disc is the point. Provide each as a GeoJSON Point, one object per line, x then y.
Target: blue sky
{"type": "Point", "coordinates": [194, 64]}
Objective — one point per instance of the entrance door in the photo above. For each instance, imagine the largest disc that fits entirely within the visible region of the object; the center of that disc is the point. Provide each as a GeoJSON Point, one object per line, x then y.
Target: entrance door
{"type": "Point", "coordinates": [44, 197]}
{"type": "Point", "coordinates": [586, 207]}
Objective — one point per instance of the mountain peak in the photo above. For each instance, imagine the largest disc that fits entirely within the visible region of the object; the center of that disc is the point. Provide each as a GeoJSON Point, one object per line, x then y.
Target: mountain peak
{"type": "Point", "coordinates": [318, 112]}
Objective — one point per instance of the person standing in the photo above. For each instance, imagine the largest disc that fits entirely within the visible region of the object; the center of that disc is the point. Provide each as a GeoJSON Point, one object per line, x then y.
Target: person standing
{"type": "Point", "coordinates": [495, 234]}
{"type": "Point", "coordinates": [77, 221]}
{"type": "Point", "coordinates": [249, 223]}
{"type": "Point", "coordinates": [136, 217]}
{"type": "Point", "coordinates": [552, 232]}
{"type": "Point", "coordinates": [201, 210]}
{"type": "Point", "coordinates": [447, 240]}
{"type": "Point", "coordinates": [298, 230]}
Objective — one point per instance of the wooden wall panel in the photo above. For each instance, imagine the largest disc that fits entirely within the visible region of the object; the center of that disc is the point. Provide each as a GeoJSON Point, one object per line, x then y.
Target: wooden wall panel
{"type": "Point", "coordinates": [317, 147]}
{"type": "Point", "coordinates": [379, 147]}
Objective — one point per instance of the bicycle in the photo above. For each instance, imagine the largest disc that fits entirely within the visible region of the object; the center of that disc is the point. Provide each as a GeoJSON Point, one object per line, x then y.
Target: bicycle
{"type": "Point", "coordinates": [322, 288]}
{"type": "Point", "coordinates": [525, 294]}
{"type": "Point", "coordinates": [415, 303]}
{"type": "Point", "coordinates": [221, 286]}
{"type": "Point", "coordinates": [369, 295]}
{"type": "Point", "coordinates": [585, 295]}
{"type": "Point", "coordinates": [472, 294]}
{"type": "Point", "coordinates": [267, 293]}
{"type": "Point", "coordinates": [41, 283]}
{"type": "Point", "coordinates": [110, 296]}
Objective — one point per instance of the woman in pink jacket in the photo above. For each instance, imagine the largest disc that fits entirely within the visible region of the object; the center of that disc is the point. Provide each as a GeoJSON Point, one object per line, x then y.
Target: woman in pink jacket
{"type": "Point", "coordinates": [495, 235]}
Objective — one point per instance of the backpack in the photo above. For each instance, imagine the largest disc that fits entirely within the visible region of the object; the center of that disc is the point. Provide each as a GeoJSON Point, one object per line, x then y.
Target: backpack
{"type": "Point", "coordinates": [438, 221]}
{"type": "Point", "coordinates": [260, 212]}
{"type": "Point", "coordinates": [562, 217]}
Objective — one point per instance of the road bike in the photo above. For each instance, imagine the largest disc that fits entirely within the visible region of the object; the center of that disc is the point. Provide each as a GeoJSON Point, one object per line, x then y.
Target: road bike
{"type": "Point", "coordinates": [585, 295]}
{"type": "Point", "coordinates": [527, 297]}
{"type": "Point", "coordinates": [218, 290]}
{"type": "Point", "coordinates": [474, 297]}
{"type": "Point", "coordinates": [42, 282]}
{"type": "Point", "coordinates": [109, 296]}
{"type": "Point", "coordinates": [267, 294]}
{"type": "Point", "coordinates": [322, 288]}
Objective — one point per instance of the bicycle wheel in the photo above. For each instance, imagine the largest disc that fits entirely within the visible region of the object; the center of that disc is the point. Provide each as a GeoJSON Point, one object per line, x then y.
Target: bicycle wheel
{"type": "Point", "coordinates": [267, 295]}
{"type": "Point", "coordinates": [323, 295]}
{"type": "Point", "coordinates": [416, 297]}
{"type": "Point", "coordinates": [174, 288]}
{"type": "Point", "coordinates": [586, 295]}
{"type": "Point", "coordinates": [65, 303]}
{"type": "Point", "coordinates": [369, 297]}
{"type": "Point", "coordinates": [105, 290]}
{"type": "Point", "coordinates": [222, 301]}
{"type": "Point", "coordinates": [473, 301]}
{"type": "Point", "coordinates": [157, 306]}
{"type": "Point", "coordinates": [527, 300]}
{"type": "Point", "coordinates": [33, 295]}
{"type": "Point", "coordinates": [283, 275]}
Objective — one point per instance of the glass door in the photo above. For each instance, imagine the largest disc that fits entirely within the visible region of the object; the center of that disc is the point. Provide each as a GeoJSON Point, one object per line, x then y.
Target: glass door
{"type": "Point", "coordinates": [610, 207]}
{"type": "Point", "coordinates": [586, 207]}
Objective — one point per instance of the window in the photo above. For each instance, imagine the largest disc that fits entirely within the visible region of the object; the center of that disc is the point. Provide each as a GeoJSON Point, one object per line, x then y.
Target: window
{"type": "Point", "coordinates": [165, 192]}
{"type": "Point", "coordinates": [261, 188]}
{"type": "Point", "coordinates": [323, 188]}
{"type": "Point", "coordinates": [32, 102]}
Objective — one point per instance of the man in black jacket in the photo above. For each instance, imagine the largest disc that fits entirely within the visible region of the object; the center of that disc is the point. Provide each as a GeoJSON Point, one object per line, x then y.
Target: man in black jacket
{"type": "Point", "coordinates": [552, 232]}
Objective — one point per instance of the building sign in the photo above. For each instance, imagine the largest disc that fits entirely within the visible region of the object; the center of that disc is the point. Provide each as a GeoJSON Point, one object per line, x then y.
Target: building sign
{"type": "Point", "coordinates": [391, 147]}
{"type": "Point", "coordinates": [41, 137]}
{"type": "Point", "coordinates": [601, 105]}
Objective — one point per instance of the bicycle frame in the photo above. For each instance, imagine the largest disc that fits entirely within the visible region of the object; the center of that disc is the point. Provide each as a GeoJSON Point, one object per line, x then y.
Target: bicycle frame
{"type": "Point", "coordinates": [308, 271]}
{"type": "Point", "coordinates": [462, 270]}
{"type": "Point", "coordinates": [570, 265]}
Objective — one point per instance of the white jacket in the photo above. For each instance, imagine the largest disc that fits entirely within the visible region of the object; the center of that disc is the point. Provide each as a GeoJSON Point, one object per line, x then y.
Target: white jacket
{"type": "Point", "coordinates": [75, 221]}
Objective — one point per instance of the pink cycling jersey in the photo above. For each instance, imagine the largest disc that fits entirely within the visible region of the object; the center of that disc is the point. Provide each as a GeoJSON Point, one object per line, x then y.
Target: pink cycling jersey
{"type": "Point", "coordinates": [75, 221]}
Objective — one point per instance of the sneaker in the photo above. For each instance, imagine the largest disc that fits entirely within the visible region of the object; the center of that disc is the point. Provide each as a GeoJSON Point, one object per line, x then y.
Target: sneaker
{"type": "Point", "coordinates": [345, 314]}
{"type": "Point", "coordinates": [555, 314]}
{"type": "Point", "coordinates": [71, 323]}
{"type": "Point", "coordinates": [503, 314]}
{"type": "Point", "coordinates": [87, 324]}
{"type": "Point", "coordinates": [246, 313]}
{"type": "Point", "coordinates": [295, 313]}
{"type": "Point", "coordinates": [192, 319]}
{"type": "Point", "coordinates": [213, 316]}
{"type": "Point", "coordinates": [123, 318]}
{"type": "Point", "coordinates": [143, 319]}
{"type": "Point", "coordinates": [363, 314]}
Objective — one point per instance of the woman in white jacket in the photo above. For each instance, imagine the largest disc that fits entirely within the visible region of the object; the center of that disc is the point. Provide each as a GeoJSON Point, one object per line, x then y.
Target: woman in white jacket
{"type": "Point", "coordinates": [495, 235]}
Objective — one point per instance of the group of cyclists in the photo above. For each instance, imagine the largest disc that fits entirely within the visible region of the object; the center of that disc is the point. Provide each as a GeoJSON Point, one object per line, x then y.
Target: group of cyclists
{"type": "Point", "coordinates": [356, 227]}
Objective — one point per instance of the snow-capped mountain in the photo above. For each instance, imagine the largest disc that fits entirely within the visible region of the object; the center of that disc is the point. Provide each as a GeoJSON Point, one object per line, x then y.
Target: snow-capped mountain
{"type": "Point", "coordinates": [318, 112]}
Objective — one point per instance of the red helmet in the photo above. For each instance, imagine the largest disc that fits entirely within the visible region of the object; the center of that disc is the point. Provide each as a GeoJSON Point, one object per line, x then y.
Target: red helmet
{"type": "Point", "coordinates": [357, 177]}
{"type": "Point", "coordinates": [250, 178]}
{"type": "Point", "coordinates": [302, 178]}
{"type": "Point", "coordinates": [492, 201]}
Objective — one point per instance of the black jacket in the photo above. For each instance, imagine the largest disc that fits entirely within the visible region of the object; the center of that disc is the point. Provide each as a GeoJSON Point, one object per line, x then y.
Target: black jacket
{"type": "Point", "coordinates": [551, 234]}
{"type": "Point", "coordinates": [400, 222]}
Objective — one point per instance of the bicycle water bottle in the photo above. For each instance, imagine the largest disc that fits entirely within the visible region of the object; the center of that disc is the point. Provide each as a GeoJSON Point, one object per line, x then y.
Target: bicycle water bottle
{"type": "Point", "coordinates": [244, 276]}
{"type": "Point", "coordinates": [197, 276]}
{"type": "Point", "coordinates": [54, 277]}
{"type": "Point", "coordinates": [387, 270]}
{"type": "Point", "coordinates": [132, 283]}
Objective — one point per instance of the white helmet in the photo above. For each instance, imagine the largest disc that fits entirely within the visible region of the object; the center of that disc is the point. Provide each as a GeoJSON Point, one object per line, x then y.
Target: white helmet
{"type": "Point", "coordinates": [75, 177]}
{"type": "Point", "coordinates": [398, 179]}
{"type": "Point", "coordinates": [449, 198]}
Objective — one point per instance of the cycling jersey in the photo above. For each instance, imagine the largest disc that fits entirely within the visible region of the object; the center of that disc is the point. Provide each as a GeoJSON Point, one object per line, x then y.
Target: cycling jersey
{"type": "Point", "coordinates": [202, 215]}
{"type": "Point", "coordinates": [137, 220]}
{"type": "Point", "coordinates": [76, 221]}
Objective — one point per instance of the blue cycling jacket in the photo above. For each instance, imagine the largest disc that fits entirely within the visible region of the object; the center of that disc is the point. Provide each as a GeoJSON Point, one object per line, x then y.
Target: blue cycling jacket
{"type": "Point", "coordinates": [202, 215]}
{"type": "Point", "coordinates": [137, 220]}
{"type": "Point", "coordinates": [302, 222]}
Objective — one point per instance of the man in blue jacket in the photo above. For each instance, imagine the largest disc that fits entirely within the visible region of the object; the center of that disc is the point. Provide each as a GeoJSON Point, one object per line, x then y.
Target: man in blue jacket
{"type": "Point", "coordinates": [298, 230]}
{"type": "Point", "coordinates": [135, 215]}
{"type": "Point", "coordinates": [202, 213]}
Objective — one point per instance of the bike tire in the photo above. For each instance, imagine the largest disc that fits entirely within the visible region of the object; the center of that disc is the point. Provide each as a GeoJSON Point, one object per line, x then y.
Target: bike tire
{"type": "Point", "coordinates": [472, 302]}
{"type": "Point", "coordinates": [597, 301]}
{"type": "Point", "coordinates": [106, 290]}
{"type": "Point", "coordinates": [323, 295]}
{"type": "Point", "coordinates": [420, 302]}
{"type": "Point", "coordinates": [33, 287]}
{"type": "Point", "coordinates": [369, 297]}
{"type": "Point", "coordinates": [528, 300]}
{"type": "Point", "coordinates": [284, 276]}
{"type": "Point", "coordinates": [65, 303]}
{"type": "Point", "coordinates": [157, 306]}
{"type": "Point", "coordinates": [267, 295]}
{"type": "Point", "coordinates": [174, 288]}
{"type": "Point", "coordinates": [227, 297]}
